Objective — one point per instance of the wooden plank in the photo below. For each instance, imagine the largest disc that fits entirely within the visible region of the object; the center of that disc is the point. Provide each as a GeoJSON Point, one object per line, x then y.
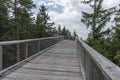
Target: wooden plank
{"type": "Point", "coordinates": [19, 76]}
{"type": "Point", "coordinates": [7, 79]}
{"type": "Point", "coordinates": [60, 55]}
{"type": "Point", "coordinates": [52, 67]}
{"type": "Point", "coordinates": [47, 72]}
{"type": "Point", "coordinates": [56, 61]}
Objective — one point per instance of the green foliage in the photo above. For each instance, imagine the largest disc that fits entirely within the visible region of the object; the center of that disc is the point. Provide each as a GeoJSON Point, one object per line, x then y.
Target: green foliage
{"type": "Point", "coordinates": [65, 32]}
{"type": "Point", "coordinates": [61, 31]}
{"type": "Point", "coordinates": [43, 27]}
{"type": "Point", "coordinates": [99, 38]}
{"type": "Point", "coordinates": [98, 19]}
{"type": "Point", "coordinates": [117, 57]}
{"type": "Point", "coordinates": [75, 34]}
{"type": "Point", "coordinates": [116, 36]}
{"type": "Point", "coordinates": [20, 19]}
{"type": "Point", "coordinates": [3, 19]}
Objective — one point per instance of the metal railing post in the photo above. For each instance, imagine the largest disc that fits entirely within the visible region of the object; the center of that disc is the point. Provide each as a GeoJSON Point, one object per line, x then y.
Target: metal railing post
{"type": "Point", "coordinates": [1, 57]}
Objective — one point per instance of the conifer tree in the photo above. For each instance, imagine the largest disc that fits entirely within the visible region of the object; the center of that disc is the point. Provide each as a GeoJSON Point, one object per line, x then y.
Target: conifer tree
{"type": "Point", "coordinates": [97, 19]}
{"type": "Point", "coordinates": [116, 36]}
{"type": "Point", "coordinates": [75, 34]}
{"type": "Point", "coordinates": [21, 21]}
{"type": "Point", "coordinates": [43, 26]}
{"type": "Point", "coordinates": [59, 29]}
{"type": "Point", "coordinates": [3, 19]}
{"type": "Point", "coordinates": [66, 32]}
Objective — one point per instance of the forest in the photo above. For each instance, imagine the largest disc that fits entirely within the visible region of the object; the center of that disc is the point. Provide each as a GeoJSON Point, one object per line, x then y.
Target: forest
{"type": "Point", "coordinates": [17, 23]}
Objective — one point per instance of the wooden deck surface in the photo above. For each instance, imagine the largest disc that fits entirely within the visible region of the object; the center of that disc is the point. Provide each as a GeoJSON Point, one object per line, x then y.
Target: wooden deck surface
{"type": "Point", "coordinates": [58, 63]}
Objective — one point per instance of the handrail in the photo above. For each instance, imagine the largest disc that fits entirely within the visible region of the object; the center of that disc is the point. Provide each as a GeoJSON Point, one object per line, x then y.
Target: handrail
{"type": "Point", "coordinates": [27, 40]}
{"type": "Point", "coordinates": [94, 65]}
{"type": "Point", "coordinates": [25, 48]}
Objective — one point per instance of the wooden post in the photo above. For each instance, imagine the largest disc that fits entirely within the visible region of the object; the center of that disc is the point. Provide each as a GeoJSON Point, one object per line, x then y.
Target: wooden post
{"type": "Point", "coordinates": [38, 46]}
{"type": "Point", "coordinates": [1, 57]}
{"type": "Point", "coordinates": [46, 43]}
{"type": "Point", "coordinates": [18, 52]}
{"type": "Point", "coordinates": [26, 50]}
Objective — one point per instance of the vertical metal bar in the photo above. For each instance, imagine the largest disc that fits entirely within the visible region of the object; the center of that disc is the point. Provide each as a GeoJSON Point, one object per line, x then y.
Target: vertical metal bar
{"type": "Point", "coordinates": [1, 57]}
{"type": "Point", "coordinates": [26, 50]}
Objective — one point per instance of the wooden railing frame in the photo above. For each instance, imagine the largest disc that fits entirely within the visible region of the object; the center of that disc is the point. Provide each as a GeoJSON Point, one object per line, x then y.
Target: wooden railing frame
{"type": "Point", "coordinates": [27, 40]}
{"type": "Point", "coordinates": [95, 66]}
{"type": "Point", "coordinates": [4, 43]}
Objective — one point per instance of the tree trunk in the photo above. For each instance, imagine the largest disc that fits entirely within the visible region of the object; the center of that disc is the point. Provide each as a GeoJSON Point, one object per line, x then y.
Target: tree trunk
{"type": "Point", "coordinates": [17, 32]}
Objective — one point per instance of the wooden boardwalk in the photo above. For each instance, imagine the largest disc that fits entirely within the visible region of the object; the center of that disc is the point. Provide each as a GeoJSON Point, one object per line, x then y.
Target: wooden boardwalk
{"type": "Point", "coordinates": [58, 63]}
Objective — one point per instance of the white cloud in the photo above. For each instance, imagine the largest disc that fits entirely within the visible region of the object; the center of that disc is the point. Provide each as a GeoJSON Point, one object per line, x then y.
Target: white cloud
{"type": "Point", "coordinates": [111, 3]}
{"type": "Point", "coordinates": [71, 15]}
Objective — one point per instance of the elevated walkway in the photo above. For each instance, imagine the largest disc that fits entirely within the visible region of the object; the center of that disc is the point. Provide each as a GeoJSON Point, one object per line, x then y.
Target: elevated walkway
{"type": "Point", "coordinates": [55, 58]}
{"type": "Point", "coordinates": [58, 63]}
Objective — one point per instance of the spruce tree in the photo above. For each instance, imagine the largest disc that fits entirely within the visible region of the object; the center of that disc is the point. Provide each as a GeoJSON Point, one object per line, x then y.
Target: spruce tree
{"type": "Point", "coordinates": [43, 26]}
{"type": "Point", "coordinates": [97, 19]}
{"type": "Point", "coordinates": [59, 30]}
{"type": "Point", "coordinates": [75, 34]}
{"type": "Point", "coordinates": [66, 32]}
{"type": "Point", "coordinates": [20, 21]}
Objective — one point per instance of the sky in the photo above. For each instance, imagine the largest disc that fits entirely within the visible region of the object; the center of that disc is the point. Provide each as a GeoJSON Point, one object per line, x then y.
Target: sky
{"type": "Point", "coordinates": [68, 13]}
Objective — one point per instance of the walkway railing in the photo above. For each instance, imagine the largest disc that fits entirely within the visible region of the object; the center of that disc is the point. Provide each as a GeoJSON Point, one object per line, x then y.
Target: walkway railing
{"type": "Point", "coordinates": [95, 66]}
{"type": "Point", "coordinates": [12, 52]}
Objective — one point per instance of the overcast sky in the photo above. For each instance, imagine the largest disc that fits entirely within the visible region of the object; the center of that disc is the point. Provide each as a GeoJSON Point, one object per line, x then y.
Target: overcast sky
{"type": "Point", "coordinates": [68, 13]}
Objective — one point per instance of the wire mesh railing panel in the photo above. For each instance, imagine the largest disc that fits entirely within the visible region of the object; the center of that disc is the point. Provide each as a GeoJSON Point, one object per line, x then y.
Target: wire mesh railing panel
{"type": "Point", "coordinates": [32, 48]}
{"type": "Point", "coordinates": [9, 56]}
{"type": "Point", "coordinates": [22, 51]}
{"type": "Point", "coordinates": [42, 45]}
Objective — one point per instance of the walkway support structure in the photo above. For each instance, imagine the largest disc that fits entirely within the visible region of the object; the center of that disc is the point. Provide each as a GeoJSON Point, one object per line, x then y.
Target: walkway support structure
{"type": "Point", "coordinates": [28, 47]}
{"type": "Point", "coordinates": [95, 66]}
